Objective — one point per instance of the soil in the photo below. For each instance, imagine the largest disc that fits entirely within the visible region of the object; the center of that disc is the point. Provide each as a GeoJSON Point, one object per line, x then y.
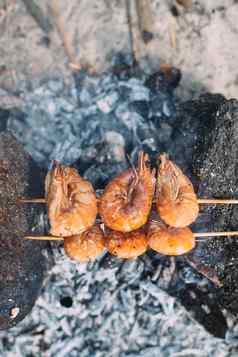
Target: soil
{"type": "Point", "coordinates": [200, 39]}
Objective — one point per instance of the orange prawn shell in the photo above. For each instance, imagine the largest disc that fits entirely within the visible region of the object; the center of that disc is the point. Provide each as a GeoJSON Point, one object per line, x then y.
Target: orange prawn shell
{"type": "Point", "coordinates": [121, 211]}
{"type": "Point", "coordinates": [176, 200]}
{"type": "Point", "coordinates": [71, 202]}
{"type": "Point", "coordinates": [86, 246]}
{"type": "Point", "coordinates": [126, 245]}
{"type": "Point", "coordinates": [169, 240]}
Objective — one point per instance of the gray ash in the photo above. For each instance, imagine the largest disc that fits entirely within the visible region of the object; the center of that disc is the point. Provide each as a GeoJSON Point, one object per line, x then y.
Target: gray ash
{"type": "Point", "coordinates": [98, 122]}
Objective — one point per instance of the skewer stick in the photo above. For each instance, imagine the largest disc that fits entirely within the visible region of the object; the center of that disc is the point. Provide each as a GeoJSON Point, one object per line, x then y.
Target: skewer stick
{"type": "Point", "coordinates": [33, 200]}
{"type": "Point", "coordinates": [43, 238]}
{"type": "Point", "coordinates": [211, 201]}
{"type": "Point", "coordinates": [217, 201]}
{"type": "Point", "coordinates": [196, 234]}
{"type": "Point", "coordinates": [216, 234]}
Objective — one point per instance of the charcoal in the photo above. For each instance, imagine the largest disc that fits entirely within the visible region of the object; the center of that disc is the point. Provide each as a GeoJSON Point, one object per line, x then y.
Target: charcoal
{"type": "Point", "coordinates": [164, 81]}
{"type": "Point", "coordinates": [217, 168]}
{"type": "Point", "coordinates": [22, 264]}
{"type": "Point", "coordinates": [4, 114]}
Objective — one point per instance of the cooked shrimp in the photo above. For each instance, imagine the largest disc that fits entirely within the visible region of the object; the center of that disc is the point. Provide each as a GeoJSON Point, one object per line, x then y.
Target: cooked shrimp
{"type": "Point", "coordinates": [169, 240]}
{"type": "Point", "coordinates": [176, 200]}
{"type": "Point", "coordinates": [86, 246]}
{"type": "Point", "coordinates": [71, 202]}
{"type": "Point", "coordinates": [126, 245]}
{"type": "Point", "coordinates": [126, 202]}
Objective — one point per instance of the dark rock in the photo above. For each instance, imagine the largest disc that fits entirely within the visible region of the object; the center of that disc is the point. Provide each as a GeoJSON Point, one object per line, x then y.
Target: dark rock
{"type": "Point", "coordinates": [217, 168]}
{"type": "Point", "coordinates": [164, 80]}
{"type": "Point", "coordinates": [22, 264]}
{"type": "Point", "coordinates": [195, 147]}
{"type": "Point", "coordinates": [4, 114]}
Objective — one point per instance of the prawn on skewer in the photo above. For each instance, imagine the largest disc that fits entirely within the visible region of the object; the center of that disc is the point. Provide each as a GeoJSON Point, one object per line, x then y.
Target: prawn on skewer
{"type": "Point", "coordinates": [176, 200]}
{"type": "Point", "coordinates": [126, 245]}
{"type": "Point", "coordinates": [71, 201]}
{"type": "Point", "coordinates": [126, 202]}
{"type": "Point", "coordinates": [86, 246]}
{"type": "Point", "coordinates": [169, 240]}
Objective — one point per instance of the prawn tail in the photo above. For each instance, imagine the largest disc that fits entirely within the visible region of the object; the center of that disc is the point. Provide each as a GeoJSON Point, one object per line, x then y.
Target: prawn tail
{"type": "Point", "coordinates": [143, 169]}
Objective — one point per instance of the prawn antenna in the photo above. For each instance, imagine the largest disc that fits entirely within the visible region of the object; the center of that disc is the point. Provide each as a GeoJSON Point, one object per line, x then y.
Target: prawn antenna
{"type": "Point", "coordinates": [132, 166]}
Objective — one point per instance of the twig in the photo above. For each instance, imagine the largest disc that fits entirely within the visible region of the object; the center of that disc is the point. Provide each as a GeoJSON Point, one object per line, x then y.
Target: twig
{"type": "Point", "coordinates": [132, 37]}
{"type": "Point", "coordinates": [145, 20]}
{"type": "Point", "coordinates": [65, 37]}
{"type": "Point", "coordinates": [41, 19]}
{"type": "Point", "coordinates": [185, 3]}
{"type": "Point", "coordinates": [172, 32]}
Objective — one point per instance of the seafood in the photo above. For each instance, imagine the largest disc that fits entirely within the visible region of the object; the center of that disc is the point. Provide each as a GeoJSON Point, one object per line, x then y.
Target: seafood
{"type": "Point", "coordinates": [126, 202]}
{"type": "Point", "coordinates": [126, 245]}
{"type": "Point", "coordinates": [169, 240]}
{"type": "Point", "coordinates": [71, 201]}
{"type": "Point", "coordinates": [86, 246]}
{"type": "Point", "coordinates": [176, 200]}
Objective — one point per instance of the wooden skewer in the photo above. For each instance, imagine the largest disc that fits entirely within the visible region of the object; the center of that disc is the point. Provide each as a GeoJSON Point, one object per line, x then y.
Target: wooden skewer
{"type": "Point", "coordinates": [33, 200]}
{"type": "Point", "coordinates": [216, 234]}
{"type": "Point", "coordinates": [212, 201]}
{"type": "Point", "coordinates": [217, 201]}
{"type": "Point", "coordinates": [145, 19]}
{"type": "Point", "coordinates": [43, 238]}
{"type": "Point", "coordinates": [196, 234]}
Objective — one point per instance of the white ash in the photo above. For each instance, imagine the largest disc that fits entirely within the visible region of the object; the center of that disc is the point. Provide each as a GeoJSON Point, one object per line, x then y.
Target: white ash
{"type": "Point", "coordinates": [116, 311]}
{"type": "Point", "coordinates": [69, 123]}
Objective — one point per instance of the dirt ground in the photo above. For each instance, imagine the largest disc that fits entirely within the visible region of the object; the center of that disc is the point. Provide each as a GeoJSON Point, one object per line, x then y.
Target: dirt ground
{"type": "Point", "coordinates": [200, 39]}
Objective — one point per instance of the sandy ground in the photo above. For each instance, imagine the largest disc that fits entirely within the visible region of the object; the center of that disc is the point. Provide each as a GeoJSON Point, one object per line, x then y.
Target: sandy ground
{"type": "Point", "coordinates": [201, 40]}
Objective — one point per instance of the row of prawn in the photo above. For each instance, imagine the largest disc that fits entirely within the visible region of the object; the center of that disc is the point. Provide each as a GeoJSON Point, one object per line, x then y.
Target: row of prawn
{"type": "Point", "coordinates": [138, 209]}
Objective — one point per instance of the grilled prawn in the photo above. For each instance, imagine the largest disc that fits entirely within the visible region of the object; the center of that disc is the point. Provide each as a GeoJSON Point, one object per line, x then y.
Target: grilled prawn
{"type": "Point", "coordinates": [169, 240]}
{"type": "Point", "coordinates": [126, 202]}
{"type": "Point", "coordinates": [86, 246]}
{"type": "Point", "coordinates": [126, 245]}
{"type": "Point", "coordinates": [71, 201]}
{"type": "Point", "coordinates": [176, 200]}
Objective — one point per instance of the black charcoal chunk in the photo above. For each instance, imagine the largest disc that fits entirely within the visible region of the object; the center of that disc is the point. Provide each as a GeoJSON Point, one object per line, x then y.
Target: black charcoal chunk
{"type": "Point", "coordinates": [217, 167]}
{"type": "Point", "coordinates": [22, 264]}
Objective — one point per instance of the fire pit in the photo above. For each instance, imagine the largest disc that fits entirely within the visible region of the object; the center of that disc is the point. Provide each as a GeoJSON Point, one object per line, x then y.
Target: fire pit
{"type": "Point", "coordinates": [93, 125]}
